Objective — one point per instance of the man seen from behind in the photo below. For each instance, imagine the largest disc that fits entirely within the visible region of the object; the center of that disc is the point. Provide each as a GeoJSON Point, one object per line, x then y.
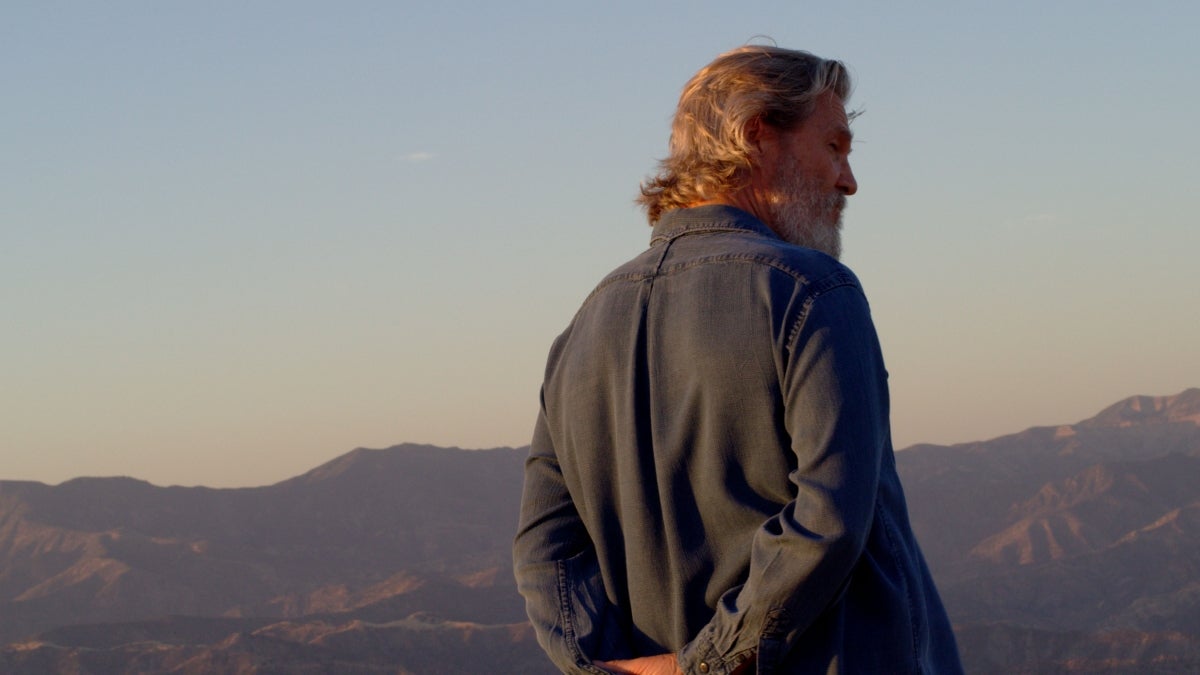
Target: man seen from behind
{"type": "Point", "coordinates": [711, 486]}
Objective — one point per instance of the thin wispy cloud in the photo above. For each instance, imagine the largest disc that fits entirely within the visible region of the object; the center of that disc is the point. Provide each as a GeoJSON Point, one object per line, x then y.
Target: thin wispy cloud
{"type": "Point", "coordinates": [419, 156]}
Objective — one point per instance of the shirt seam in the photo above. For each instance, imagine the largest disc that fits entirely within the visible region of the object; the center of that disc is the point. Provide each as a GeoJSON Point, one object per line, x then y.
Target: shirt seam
{"type": "Point", "coordinates": [834, 279]}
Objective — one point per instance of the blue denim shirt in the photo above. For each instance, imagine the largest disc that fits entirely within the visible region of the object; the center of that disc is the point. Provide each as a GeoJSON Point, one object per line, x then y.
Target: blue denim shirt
{"type": "Point", "coordinates": [712, 472]}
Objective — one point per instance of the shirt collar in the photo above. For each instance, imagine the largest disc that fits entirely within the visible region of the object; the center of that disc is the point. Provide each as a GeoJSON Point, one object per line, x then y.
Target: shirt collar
{"type": "Point", "coordinates": [707, 218]}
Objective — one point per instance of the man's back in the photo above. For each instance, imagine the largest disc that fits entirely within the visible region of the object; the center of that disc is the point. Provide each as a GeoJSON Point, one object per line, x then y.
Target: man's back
{"type": "Point", "coordinates": [712, 472]}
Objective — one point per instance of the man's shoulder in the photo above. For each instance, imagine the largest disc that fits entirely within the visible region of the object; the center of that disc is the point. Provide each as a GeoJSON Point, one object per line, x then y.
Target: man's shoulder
{"type": "Point", "coordinates": [724, 252]}
{"type": "Point", "coordinates": [798, 260]}
{"type": "Point", "coordinates": [730, 258]}
{"type": "Point", "coordinates": [720, 233]}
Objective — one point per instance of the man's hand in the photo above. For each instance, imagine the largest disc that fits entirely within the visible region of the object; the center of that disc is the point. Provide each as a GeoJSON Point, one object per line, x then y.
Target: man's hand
{"type": "Point", "coordinates": [663, 664]}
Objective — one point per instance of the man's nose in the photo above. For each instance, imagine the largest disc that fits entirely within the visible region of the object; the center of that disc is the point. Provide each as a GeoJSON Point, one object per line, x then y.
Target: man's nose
{"type": "Point", "coordinates": [846, 182]}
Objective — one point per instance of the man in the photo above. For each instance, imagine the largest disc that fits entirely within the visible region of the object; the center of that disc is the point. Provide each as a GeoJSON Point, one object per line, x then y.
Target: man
{"type": "Point", "coordinates": [711, 486]}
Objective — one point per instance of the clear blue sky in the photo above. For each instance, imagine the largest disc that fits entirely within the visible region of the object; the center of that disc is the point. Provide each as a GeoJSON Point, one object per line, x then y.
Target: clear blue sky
{"type": "Point", "coordinates": [238, 239]}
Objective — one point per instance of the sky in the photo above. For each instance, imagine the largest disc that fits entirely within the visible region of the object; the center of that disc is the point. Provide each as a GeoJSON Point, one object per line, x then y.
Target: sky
{"type": "Point", "coordinates": [240, 239]}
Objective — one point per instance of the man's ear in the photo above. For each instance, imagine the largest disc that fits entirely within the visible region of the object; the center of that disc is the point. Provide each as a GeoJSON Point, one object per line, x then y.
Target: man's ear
{"type": "Point", "coordinates": [754, 132]}
{"type": "Point", "coordinates": [762, 140]}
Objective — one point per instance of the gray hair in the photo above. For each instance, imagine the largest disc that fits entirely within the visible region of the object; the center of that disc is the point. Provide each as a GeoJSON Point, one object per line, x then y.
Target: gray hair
{"type": "Point", "coordinates": [709, 150]}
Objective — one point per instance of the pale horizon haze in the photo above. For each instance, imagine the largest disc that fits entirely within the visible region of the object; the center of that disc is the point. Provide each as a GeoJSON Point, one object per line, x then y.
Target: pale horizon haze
{"type": "Point", "coordinates": [240, 239]}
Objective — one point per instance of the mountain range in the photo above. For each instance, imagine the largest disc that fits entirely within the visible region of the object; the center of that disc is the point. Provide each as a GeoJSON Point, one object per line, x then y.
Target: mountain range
{"type": "Point", "coordinates": [1068, 549]}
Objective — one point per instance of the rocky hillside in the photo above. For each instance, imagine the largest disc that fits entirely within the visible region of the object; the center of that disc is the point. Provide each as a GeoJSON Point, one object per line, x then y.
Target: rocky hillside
{"type": "Point", "coordinates": [1070, 549]}
{"type": "Point", "coordinates": [1073, 548]}
{"type": "Point", "coordinates": [377, 561]}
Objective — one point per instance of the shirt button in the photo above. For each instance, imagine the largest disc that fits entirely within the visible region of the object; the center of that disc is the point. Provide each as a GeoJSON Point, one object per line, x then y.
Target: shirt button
{"type": "Point", "coordinates": [703, 666]}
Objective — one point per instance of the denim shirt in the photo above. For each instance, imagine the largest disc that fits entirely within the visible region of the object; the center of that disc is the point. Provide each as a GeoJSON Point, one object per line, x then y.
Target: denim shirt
{"type": "Point", "coordinates": [712, 471]}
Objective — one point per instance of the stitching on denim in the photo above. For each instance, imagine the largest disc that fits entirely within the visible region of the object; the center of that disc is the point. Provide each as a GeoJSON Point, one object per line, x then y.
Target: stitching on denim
{"type": "Point", "coordinates": [564, 611]}
{"type": "Point", "coordinates": [661, 257]}
{"type": "Point", "coordinates": [632, 276]}
{"type": "Point", "coordinates": [613, 279]}
{"type": "Point", "coordinates": [566, 617]}
{"type": "Point", "coordinates": [765, 259]}
{"type": "Point", "coordinates": [825, 286]}
{"type": "Point", "coordinates": [771, 641]}
{"type": "Point", "coordinates": [884, 520]}
{"type": "Point", "coordinates": [706, 229]}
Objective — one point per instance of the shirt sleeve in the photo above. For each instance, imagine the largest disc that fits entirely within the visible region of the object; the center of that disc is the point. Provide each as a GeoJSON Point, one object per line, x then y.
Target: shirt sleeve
{"type": "Point", "coordinates": [557, 571]}
{"type": "Point", "coordinates": [836, 413]}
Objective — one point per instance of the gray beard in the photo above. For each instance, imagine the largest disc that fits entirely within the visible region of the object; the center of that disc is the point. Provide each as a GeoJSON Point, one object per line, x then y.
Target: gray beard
{"type": "Point", "coordinates": [801, 215]}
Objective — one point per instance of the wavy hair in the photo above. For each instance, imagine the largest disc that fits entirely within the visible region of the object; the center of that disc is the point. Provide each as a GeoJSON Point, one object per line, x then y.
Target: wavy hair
{"type": "Point", "coordinates": [709, 153]}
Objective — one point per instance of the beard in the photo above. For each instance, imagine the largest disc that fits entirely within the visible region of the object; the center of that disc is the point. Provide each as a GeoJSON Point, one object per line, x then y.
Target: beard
{"type": "Point", "coordinates": [804, 214]}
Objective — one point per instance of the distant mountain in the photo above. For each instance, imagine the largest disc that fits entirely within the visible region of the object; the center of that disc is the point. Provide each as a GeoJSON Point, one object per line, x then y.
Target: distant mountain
{"type": "Point", "coordinates": [1069, 549]}
{"type": "Point", "coordinates": [1073, 548]}
{"type": "Point", "coordinates": [358, 548]}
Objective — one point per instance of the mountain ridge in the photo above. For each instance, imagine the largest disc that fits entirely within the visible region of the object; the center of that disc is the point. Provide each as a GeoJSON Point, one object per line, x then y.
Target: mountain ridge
{"type": "Point", "coordinates": [1182, 407]}
{"type": "Point", "coordinates": [1057, 549]}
